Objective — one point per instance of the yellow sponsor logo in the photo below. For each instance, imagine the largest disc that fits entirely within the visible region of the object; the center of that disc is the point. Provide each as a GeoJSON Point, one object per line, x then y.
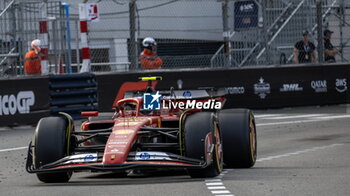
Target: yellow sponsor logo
{"type": "Point", "coordinates": [152, 78]}
{"type": "Point", "coordinates": [126, 124]}
{"type": "Point", "coordinates": [124, 131]}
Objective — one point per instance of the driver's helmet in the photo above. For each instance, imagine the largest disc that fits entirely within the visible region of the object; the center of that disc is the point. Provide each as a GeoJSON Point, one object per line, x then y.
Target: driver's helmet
{"type": "Point", "coordinates": [129, 109]}
{"type": "Point", "coordinates": [150, 89]}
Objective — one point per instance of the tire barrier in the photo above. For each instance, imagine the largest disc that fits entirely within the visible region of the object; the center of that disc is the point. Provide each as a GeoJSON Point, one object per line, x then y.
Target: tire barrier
{"type": "Point", "coordinates": [73, 94]}
{"type": "Point", "coordinates": [254, 88]}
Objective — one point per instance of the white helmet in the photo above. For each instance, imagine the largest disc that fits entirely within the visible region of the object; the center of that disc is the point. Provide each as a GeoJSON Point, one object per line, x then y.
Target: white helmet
{"type": "Point", "coordinates": [149, 42]}
{"type": "Point", "coordinates": [36, 45]}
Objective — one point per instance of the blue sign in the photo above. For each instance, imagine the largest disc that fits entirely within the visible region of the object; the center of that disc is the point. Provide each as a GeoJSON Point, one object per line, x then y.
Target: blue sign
{"type": "Point", "coordinates": [145, 155]}
{"type": "Point", "coordinates": [151, 101]}
{"type": "Point", "coordinates": [246, 14]}
{"type": "Point", "coordinates": [89, 158]}
{"type": "Point", "coordinates": [187, 94]}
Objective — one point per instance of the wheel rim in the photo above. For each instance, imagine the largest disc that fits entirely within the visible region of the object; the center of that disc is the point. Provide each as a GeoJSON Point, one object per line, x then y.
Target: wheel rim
{"type": "Point", "coordinates": [218, 149]}
{"type": "Point", "coordinates": [252, 135]}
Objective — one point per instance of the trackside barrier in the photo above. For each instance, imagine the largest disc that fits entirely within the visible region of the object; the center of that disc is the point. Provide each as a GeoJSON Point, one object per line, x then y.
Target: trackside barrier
{"type": "Point", "coordinates": [24, 100]}
{"type": "Point", "coordinates": [73, 93]}
{"type": "Point", "coordinates": [255, 88]}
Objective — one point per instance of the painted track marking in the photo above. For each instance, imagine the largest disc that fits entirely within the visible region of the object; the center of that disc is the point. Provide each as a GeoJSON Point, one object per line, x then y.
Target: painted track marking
{"type": "Point", "coordinates": [295, 116]}
{"type": "Point", "coordinates": [221, 192]}
{"type": "Point", "coordinates": [332, 117]}
{"type": "Point", "coordinates": [216, 186]}
{"type": "Point", "coordinates": [266, 115]}
{"type": "Point", "coordinates": [315, 119]}
{"type": "Point", "coordinates": [297, 152]}
{"type": "Point", "coordinates": [210, 183]}
{"type": "Point", "coordinates": [13, 149]}
{"type": "Point", "coordinates": [214, 183]}
{"type": "Point", "coordinates": [286, 122]}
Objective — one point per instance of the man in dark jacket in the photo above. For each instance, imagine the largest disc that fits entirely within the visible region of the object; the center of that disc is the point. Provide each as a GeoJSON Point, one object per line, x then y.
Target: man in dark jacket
{"type": "Point", "coordinates": [304, 50]}
{"type": "Point", "coordinates": [329, 50]}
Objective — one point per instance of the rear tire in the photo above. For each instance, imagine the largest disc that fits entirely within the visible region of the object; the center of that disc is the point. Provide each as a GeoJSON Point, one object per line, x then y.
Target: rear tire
{"type": "Point", "coordinates": [50, 141]}
{"type": "Point", "coordinates": [196, 128]}
{"type": "Point", "coordinates": [239, 137]}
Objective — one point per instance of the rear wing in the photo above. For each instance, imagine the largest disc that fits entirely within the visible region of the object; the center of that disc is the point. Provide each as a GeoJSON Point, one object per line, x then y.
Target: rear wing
{"type": "Point", "coordinates": [172, 94]}
{"type": "Point", "coordinates": [202, 93]}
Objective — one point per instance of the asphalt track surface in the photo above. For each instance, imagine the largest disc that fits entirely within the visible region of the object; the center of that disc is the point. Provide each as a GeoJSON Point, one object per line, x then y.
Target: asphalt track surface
{"type": "Point", "coordinates": [301, 151]}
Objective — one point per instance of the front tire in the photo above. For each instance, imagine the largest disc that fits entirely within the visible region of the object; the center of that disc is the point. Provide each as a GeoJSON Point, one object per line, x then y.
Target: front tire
{"type": "Point", "coordinates": [51, 144]}
{"type": "Point", "coordinates": [239, 137]}
{"type": "Point", "coordinates": [197, 127]}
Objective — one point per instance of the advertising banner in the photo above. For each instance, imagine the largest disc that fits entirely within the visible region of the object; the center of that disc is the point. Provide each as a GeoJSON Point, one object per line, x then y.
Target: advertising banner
{"type": "Point", "coordinates": [23, 100]}
{"type": "Point", "coordinates": [246, 14]}
{"type": "Point", "coordinates": [254, 88]}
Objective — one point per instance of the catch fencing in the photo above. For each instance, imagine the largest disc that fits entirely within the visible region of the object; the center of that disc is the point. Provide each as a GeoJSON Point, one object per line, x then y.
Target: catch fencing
{"type": "Point", "coordinates": [19, 25]}
{"type": "Point", "coordinates": [189, 33]}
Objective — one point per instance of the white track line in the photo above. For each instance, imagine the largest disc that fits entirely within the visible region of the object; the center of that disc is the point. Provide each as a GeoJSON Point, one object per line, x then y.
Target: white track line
{"type": "Point", "coordinates": [297, 152]}
{"type": "Point", "coordinates": [13, 149]}
{"type": "Point", "coordinates": [286, 122]}
{"type": "Point", "coordinates": [295, 116]}
{"type": "Point", "coordinates": [212, 180]}
{"type": "Point", "coordinates": [225, 195]}
{"type": "Point", "coordinates": [221, 192]}
{"type": "Point", "coordinates": [331, 117]}
{"type": "Point", "coordinates": [216, 186]}
{"type": "Point", "coordinates": [313, 119]}
{"type": "Point", "coordinates": [266, 115]}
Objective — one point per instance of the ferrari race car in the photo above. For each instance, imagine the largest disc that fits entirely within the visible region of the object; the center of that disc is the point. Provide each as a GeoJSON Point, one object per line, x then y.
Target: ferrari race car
{"type": "Point", "coordinates": [186, 130]}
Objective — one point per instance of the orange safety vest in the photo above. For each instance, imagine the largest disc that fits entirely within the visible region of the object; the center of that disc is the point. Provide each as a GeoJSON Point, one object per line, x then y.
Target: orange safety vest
{"type": "Point", "coordinates": [32, 64]}
{"type": "Point", "coordinates": [150, 60]}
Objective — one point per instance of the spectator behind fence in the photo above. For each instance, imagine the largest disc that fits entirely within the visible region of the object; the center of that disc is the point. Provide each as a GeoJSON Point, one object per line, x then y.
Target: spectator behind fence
{"type": "Point", "coordinates": [329, 50]}
{"type": "Point", "coordinates": [32, 64]}
{"type": "Point", "coordinates": [149, 58]}
{"type": "Point", "coordinates": [304, 50]}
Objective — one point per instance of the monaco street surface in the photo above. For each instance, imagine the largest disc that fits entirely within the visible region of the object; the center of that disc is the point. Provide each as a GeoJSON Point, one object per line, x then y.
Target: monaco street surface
{"type": "Point", "coordinates": [301, 151]}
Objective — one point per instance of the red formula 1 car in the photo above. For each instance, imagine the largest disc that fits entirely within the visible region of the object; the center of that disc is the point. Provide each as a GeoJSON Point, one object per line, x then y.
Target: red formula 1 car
{"type": "Point", "coordinates": [187, 129]}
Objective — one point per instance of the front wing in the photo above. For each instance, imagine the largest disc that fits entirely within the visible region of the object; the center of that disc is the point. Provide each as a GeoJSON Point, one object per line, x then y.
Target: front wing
{"type": "Point", "coordinates": [135, 160]}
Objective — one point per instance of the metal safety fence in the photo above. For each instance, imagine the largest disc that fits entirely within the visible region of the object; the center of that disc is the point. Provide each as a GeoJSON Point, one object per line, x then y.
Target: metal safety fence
{"type": "Point", "coordinates": [217, 33]}
{"type": "Point", "coordinates": [189, 33]}
{"type": "Point", "coordinates": [281, 26]}
{"type": "Point", "coordinates": [19, 25]}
